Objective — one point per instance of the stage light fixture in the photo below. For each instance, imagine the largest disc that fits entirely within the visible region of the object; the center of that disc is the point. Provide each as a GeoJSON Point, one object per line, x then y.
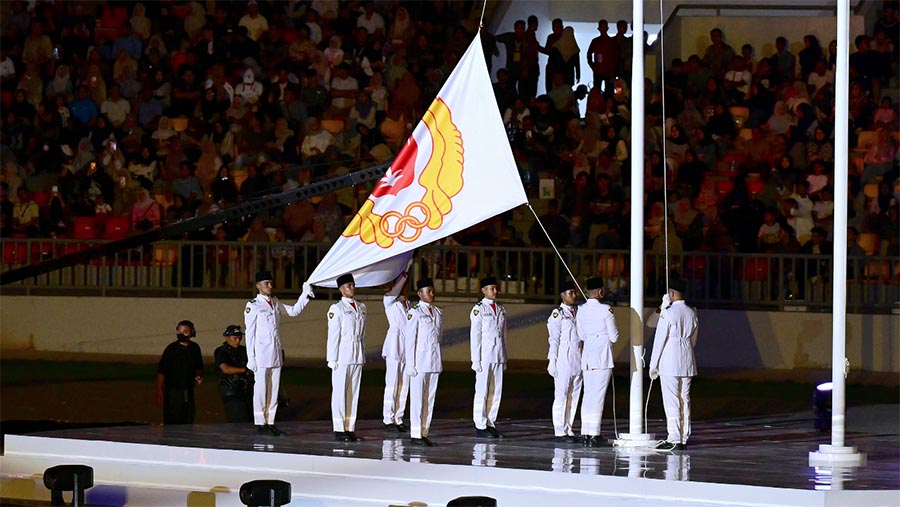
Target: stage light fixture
{"type": "Point", "coordinates": [265, 493]}
{"type": "Point", "coordinates": [472, 501]}
{"type": "Point", "coordinates": [74, 478]}
{"type": "Point", "coordinates": [822, 406]}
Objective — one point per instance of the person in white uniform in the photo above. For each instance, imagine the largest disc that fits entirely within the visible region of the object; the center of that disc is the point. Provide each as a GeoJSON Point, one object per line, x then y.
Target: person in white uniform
{"type": "Point", "coordinates": [487, 339]}
{"type": "Point", "coordinates": [674, 364]}
{"type": "Point", "coordinates": [564, 363]}
{"type": "Point", "coordinates": [346, 354]}
{"type": "Point", "coordinates": [396, 388]}
{"type": "Point", "coordinates": [596, 326]}
{"type": "Point", "coordinates": [422, 352]}
{"type": "Point", "coordinates": [262, 317]}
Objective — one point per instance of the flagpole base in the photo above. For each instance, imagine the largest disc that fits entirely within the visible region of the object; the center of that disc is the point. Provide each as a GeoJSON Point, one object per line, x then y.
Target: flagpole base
{"type": "Point", "coordinates": [635, 440]}
{"type": "Point", "coordinates": [831, 455]}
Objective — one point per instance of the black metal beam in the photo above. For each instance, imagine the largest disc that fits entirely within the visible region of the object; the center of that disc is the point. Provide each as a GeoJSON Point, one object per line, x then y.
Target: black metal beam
{"type": "Point", "coordinates": [178, 229]}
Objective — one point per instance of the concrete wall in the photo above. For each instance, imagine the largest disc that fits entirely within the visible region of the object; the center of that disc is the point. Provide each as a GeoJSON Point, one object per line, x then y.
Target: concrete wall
{"type": "Point", "coordinates": [143, 326]}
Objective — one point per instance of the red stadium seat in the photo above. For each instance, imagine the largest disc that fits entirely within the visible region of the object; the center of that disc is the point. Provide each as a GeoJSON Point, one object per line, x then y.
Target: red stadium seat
{"type": "Point", "coordinates": [15, 252]}
{"type": "Point", "coordinates": [41, 198]}
{"type": "Point", "coordinates": [84, 228]}
{"type": "Point", "coordinates": [755, 187]}
{"type": "Point", "coordinates": [755, 269]}
{"type": "Point", "coordinates": [116, 227]}
{"type": "Point", "coordinates": [695, 267]}
{"type": "Point", "coordinates": [724, 187]}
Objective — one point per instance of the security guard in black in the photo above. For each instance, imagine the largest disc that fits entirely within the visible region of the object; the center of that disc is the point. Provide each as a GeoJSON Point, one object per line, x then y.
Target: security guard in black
{"type": "Point", "coordinates": [180, 368]}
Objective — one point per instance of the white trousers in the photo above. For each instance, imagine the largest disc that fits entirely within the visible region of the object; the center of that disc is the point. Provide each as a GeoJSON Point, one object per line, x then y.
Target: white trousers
{"type": "Point", "coordinates": [265, 395]}
{"type": "Point", "coordinates": [595, 384]}
{"type": "Point", "coordinates": [566, 392]}
{"type": "Point", "coordinates": [422, 389]}
{"type": "Point", "coordinates": [488, 390]}
{"type": "Point", "coordinates": [396, 389]}
{"type": "Point", "coordinates": [676, 395]}
{"type": "Point", "coordinates": [345, 396]}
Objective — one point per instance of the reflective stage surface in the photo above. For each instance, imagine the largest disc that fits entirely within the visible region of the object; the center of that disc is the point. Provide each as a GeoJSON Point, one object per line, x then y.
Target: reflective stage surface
{"type": "Point", "coordinates": [759, 457]}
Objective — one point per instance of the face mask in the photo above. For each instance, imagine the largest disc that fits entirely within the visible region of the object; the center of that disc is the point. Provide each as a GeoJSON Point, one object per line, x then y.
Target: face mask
{"type": "Point", "coordinates": [182, 337]}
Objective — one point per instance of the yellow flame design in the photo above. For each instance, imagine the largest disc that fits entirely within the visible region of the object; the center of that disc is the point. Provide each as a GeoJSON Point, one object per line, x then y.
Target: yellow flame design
{"type": "Point", "coordinates": [441, 178]}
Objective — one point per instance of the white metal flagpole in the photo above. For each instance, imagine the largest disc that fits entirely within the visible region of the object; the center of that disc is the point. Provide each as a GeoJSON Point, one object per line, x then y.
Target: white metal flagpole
{"type": "Point", "coordinates": [635, 436]}
{"type": "Point", "coordinates": [837, 453]}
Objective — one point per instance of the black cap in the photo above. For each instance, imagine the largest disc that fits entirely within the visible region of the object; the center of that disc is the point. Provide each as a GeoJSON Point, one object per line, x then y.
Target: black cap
{"type": "Point", "coordinates": [263, 275]}
{"type": "Point", "coordinates": [345, 278]}
{"type": "Point", "coordinates": [594, 283]}
{"type": "Point", "coordinates": [678, 285]}
{"type": "Point", "coordinates": [425, 282]}
{"type": "Point", "coordinates": [566, 286]}
{"type": "Point", "coordinates": [491, 280]}
{"type": "Point", "coordinates": [233, 330]}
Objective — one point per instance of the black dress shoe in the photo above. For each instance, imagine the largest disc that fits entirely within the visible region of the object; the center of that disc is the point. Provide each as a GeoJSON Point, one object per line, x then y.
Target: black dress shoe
{"type": "Point", "coordinates": [565, 439]}
{"type": "Point", "coordinates": [670, 446]}
{"type": "Point", "coordinates": [390, 427]}
{"type": "Point", "coordinates": [341, 436]}
{"type": "Point", "coordinates": [275, 431]}
{"type": "Point", "coordinates": [596, 441]}
{"type": "Point", "coordinates": [422, 441]}
{"type": "Point", "coordinates": [262, 429]}
{"type": "Point", "coordinates": [483, 434]}
{"type": "Point", "coordinates": [353, 437]}
{"type": "Point", "coordinates": [493, 432]}
{"type": "Point", "coordinates": [401, 428]}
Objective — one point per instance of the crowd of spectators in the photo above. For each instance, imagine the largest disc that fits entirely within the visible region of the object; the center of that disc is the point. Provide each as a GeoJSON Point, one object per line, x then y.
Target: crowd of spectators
{"type": "Point", "coordinates": [166, 110]}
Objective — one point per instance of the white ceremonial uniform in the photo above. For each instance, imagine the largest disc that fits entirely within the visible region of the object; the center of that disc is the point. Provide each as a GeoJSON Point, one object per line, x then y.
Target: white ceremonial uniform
{"type": "Point", "coordinates": [262, 317]}
{"type": "Point", "coordinates": [487, 339]}
{"type": "Point", "coordinates": [565, 352]}
{"type": "Point", "coordinates": [396, 388]}
{"type": "Point", "coordinates": [597, 329]}
{"type": "Point", "coordinates": [422, 344]}
{"type": "Point", "coordinates": [347, 348]}
{"type": "Point", "coordinates": [673, 357]}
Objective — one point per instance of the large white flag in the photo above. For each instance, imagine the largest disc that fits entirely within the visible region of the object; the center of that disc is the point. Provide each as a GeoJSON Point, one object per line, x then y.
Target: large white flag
{"type": "Point", "coordinates": [454, 172]}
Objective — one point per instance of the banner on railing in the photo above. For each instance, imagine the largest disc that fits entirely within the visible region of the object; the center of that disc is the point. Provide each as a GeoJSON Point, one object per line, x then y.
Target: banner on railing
{"type": "Point", "coordinates": [455, 171]}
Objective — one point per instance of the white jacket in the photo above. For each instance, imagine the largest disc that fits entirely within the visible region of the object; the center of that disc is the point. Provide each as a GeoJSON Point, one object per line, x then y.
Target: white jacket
{"type": "Point", "coordinates": [261, 321]}
{"type": "Point", "coordinates": [422, 338]}
{"type": "Point", "coordinates": [673, 343]}
{"type": "Point", "coordinates": [597, 329]}
{"type": "Point", "coordinates": [395, 309]}
{"type": "Point", "coordinates": [488, 333]}
{"type": "Point", "coordinates": [565, 347]}
{"type": "Point", "coordinates": [346, 332]}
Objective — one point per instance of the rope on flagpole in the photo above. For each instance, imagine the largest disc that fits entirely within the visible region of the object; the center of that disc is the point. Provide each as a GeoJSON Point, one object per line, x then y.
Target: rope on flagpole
{"type": "Point", "coordinates": [665, 161]}
{"type": "Point", "coordinates": [481, 21]}
{"type": "Point", "coordinates": [557, 251]}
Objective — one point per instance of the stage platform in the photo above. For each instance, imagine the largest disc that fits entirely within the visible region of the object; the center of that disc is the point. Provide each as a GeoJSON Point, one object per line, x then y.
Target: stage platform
{"type": "Point", "coordinates": [746, 462]}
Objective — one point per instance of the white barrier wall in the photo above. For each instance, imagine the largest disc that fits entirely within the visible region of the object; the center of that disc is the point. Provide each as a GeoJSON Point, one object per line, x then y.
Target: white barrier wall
{"type": "Point", "coordinates": [143, 326]}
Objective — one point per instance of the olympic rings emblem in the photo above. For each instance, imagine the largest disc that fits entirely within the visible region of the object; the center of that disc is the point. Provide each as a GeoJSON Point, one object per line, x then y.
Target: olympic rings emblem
{"type": "Point", "coordinates": [407, 219]}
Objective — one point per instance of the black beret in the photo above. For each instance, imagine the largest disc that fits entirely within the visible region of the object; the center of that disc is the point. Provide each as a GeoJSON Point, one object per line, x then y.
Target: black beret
{"type": "Point", "coordinates": [678, 285]}
{"type": "Point", "coordinates": [425, 282]}
{"type": "Point", "coordinates": [345, 278]}
{"type": "Point", "coordinates": [491, 280]}
{"type": "Point", "coordinates": [566, 286]}
{"type": "Point", "coordinates": [263, 275]}
{"type": "Point", "coordinates": [233, 330]}
{"type": "Point", "coordinates": [594, 283]}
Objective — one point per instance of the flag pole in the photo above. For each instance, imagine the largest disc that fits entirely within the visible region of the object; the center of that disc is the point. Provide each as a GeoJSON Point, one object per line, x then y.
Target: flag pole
{"type": "Point", "coordinates": [837, 453]}
{"type": "Point", "coordinates": [557, 251]}
{"type": "Point", "coordinates": [635, 438]}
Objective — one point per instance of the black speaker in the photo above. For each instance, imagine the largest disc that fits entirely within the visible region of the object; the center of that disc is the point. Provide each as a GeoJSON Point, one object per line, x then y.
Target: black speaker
{"type": "Point", "coordinates": [265, 493]}
{"type": "Point", "coordinates": [472, 501]}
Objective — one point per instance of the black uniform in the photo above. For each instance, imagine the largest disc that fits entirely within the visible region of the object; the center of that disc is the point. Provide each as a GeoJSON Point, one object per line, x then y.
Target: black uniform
{"type": "Point", "coordinates": [179, 365]}
{"type": "Point", "coordinates": [235, 390]}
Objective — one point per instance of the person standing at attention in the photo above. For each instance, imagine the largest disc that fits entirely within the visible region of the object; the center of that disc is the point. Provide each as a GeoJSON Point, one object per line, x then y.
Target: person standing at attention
{"type": "Point", "coordinates": [565, 363]}
{"type": "Point", "coordinates": [422, 344]}
{"type": "Point", "coordinates": [346, 354]}
{"type": "Point", "coordinates": [488, 343]}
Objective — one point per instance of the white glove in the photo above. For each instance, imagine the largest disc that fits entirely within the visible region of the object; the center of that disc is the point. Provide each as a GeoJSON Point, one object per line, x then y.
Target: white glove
{"type": "Point", "coordinates": [332, 364]}
{"type": "Point", "coordinates": [504, 366]}
{"type": "Point", "coordinates": [476, 366]}
{"type": "Point", "coordinates": [666, 302]}
{"type": "Point", "coordinates": [308, 290]}
{"type": "Point", "coordinates": [551, 369]}
{"type": "Point", "coordinates": [654, 373]}
{"type": "Point", "coordinates": [411, 371]}
{"type": "Point", "coordinates": [251, 364]}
